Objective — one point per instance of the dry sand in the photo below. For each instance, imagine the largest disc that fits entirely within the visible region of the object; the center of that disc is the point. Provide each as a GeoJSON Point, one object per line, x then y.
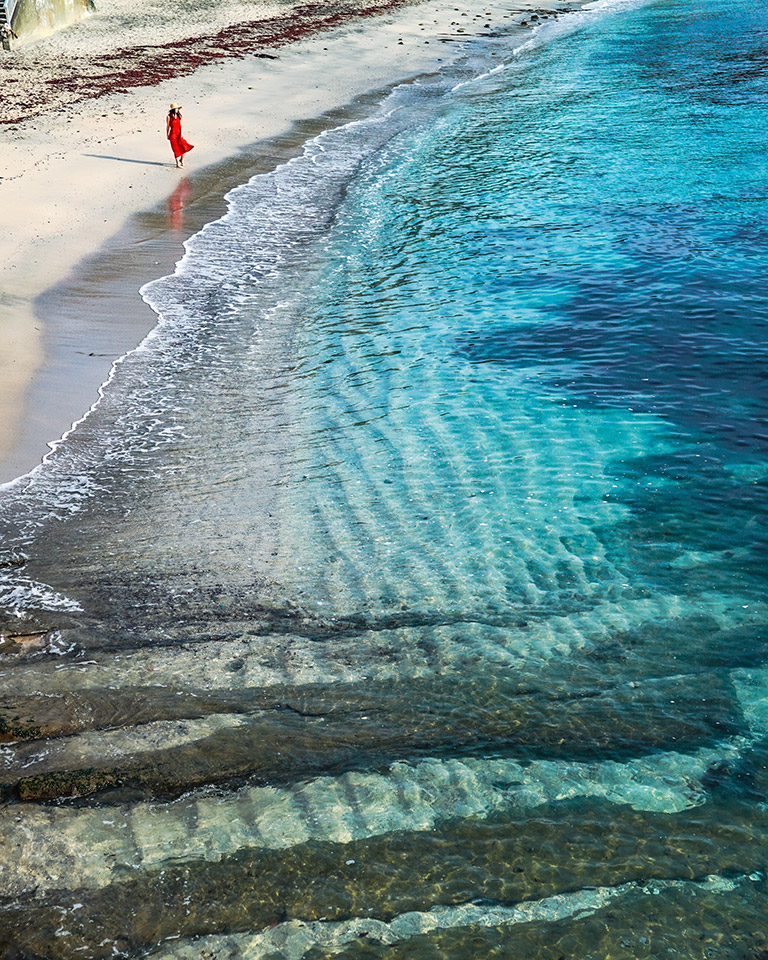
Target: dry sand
{"type": "Point", "coordinates": [77, 161]}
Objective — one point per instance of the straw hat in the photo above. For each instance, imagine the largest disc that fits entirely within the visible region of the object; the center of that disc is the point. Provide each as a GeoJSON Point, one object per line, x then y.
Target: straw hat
{"type": "Point", "coordinates": [175, 106]}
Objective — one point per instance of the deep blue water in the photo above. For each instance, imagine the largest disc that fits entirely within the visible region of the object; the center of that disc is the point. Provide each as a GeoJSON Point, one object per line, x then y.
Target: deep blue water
{"type": "Point", "coordinates": [406, 588]}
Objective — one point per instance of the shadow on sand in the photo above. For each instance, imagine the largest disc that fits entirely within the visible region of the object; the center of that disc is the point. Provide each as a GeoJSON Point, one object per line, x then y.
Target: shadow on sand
{"type": "Point", "coordinates": [151, 163]}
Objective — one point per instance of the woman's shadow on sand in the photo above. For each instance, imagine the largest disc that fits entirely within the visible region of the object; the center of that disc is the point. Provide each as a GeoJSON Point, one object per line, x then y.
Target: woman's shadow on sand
{"type": "Point", "coordinates": [150, 163]}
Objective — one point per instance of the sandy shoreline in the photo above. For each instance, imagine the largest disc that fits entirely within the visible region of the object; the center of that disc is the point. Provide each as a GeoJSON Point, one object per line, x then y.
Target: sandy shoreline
{"type": "Point", "coordinates": [92, 205]}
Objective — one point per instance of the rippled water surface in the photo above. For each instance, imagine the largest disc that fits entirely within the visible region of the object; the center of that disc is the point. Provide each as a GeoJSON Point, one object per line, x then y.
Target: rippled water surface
{"type": "Point", "coordinates": [404, 594]}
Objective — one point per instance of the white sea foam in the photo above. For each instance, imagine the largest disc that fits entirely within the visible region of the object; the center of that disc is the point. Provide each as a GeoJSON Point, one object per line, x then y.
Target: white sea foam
{"type": "Point", "coordinates": [24, 594]}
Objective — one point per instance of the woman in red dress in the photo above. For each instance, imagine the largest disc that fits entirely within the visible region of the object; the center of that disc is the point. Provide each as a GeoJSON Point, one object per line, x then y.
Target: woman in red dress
{"type": "Point", "coordinates": [173, 131]}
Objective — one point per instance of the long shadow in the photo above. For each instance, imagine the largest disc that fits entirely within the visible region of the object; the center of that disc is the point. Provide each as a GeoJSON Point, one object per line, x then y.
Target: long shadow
{"type": "Point", "coordinates": [150, 163]}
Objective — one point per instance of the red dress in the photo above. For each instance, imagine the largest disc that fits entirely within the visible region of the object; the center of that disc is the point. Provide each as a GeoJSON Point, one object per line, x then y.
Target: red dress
{"type": "Point", "coordinates": [178, 144]}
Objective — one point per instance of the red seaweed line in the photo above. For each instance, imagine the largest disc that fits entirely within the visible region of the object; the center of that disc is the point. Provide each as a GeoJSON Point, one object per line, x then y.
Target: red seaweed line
{"type": "Point", "coordinates": [151, 64]}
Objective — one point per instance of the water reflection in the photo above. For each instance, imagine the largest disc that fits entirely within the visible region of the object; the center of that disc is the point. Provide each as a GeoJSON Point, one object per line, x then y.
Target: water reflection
{"type": "Point", "coordinates": [176, 203]}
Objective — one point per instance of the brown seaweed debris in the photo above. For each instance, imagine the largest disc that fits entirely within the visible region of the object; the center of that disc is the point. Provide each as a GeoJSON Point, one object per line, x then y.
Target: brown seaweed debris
{"type": "Point", "coordinates": [87, 78]}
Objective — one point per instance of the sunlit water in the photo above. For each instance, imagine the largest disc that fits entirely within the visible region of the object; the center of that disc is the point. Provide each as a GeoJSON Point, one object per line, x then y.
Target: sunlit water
{"type": "Point", "coordinates": [404, 594]}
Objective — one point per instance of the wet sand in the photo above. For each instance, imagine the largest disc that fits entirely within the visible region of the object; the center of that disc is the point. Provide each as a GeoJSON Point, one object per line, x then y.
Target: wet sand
{"type": "Point", "coordinates": [91, 204]}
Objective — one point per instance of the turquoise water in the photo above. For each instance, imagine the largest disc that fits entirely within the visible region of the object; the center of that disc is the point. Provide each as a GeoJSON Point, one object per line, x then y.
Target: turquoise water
{"type": "Point", "coordinates": [404, 594]}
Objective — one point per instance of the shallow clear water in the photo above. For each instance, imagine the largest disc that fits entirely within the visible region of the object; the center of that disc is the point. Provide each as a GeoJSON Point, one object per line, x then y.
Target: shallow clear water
{"type": "Point", "coordinates": [405, 591]}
